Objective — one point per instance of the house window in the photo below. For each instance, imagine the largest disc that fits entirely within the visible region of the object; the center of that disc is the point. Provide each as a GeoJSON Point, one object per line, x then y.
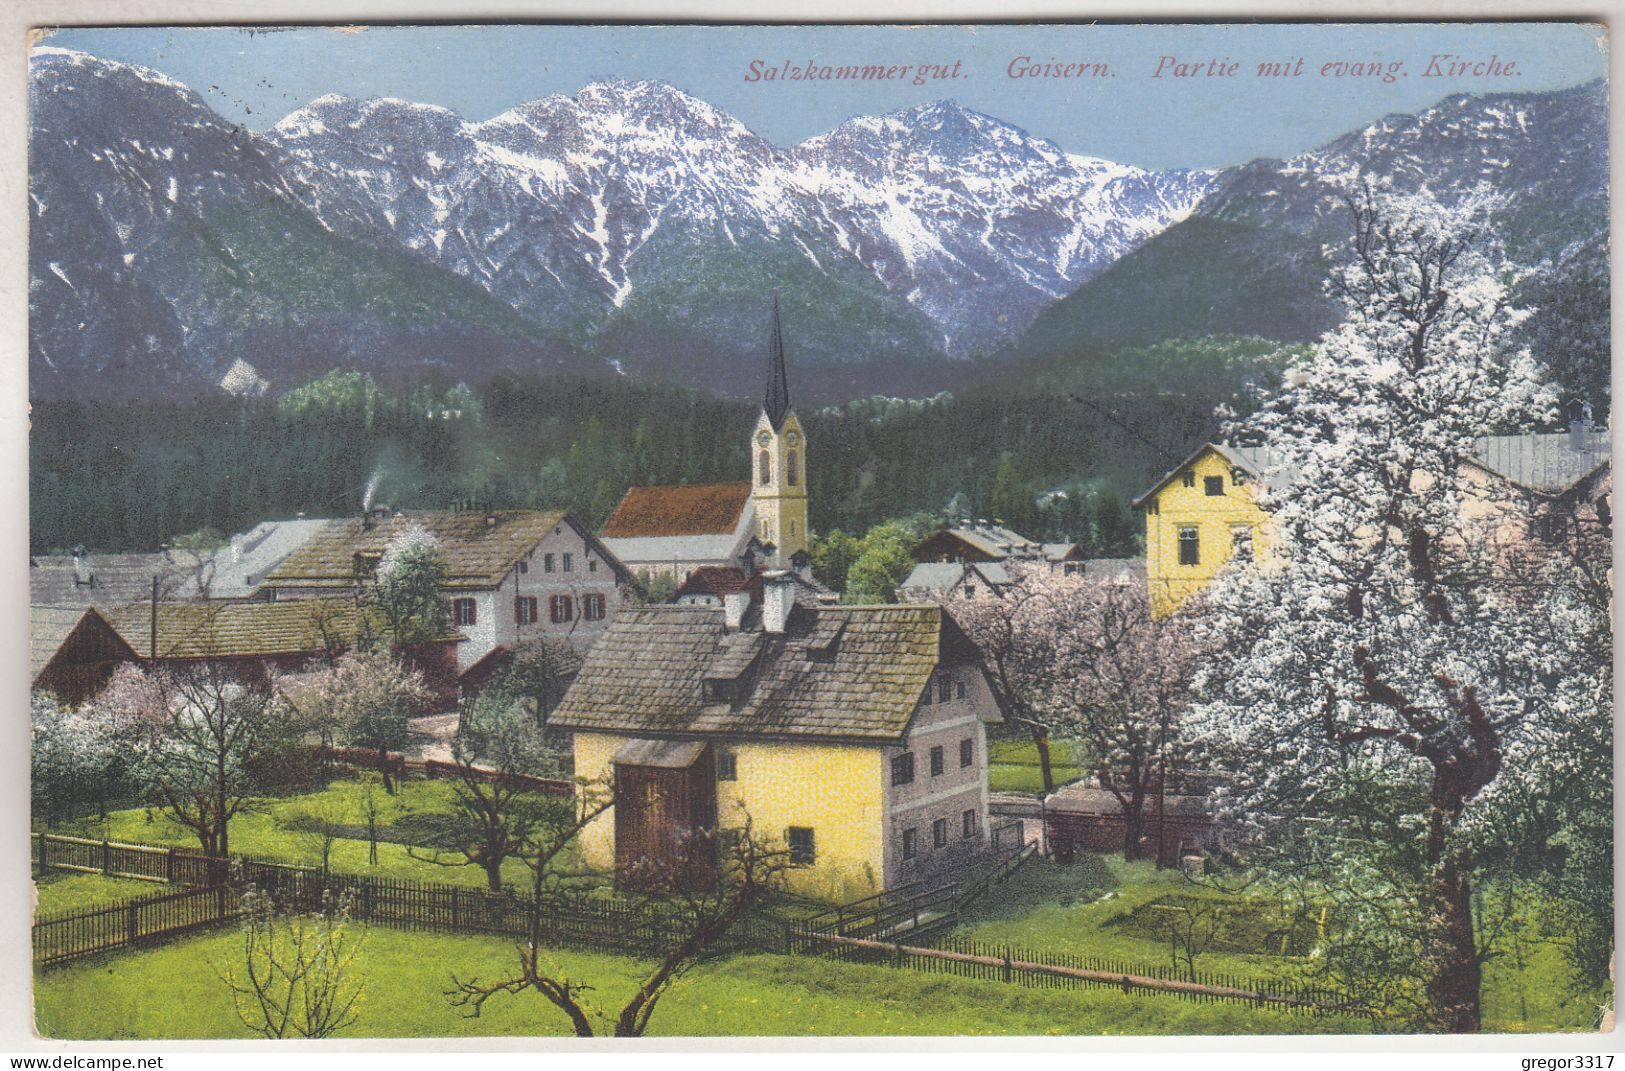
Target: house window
{"type": "Point", "coordinates": [1151, 507]}
{"type": "Point", "coordinates": [522, 566]}
{"type": "Point", "coordinates": [801, 846]}
{"type": "Point", "coordinates": [936, 761]}
{"type": "Point", "coordinates": [569, 561]}
{"type": "Point", "coordinates": [970, 591]}
{"type": "Point", "coordinates": [1188, 478]}
{"type": "Point", "coordinates": [1213, 485]}
{"type": "Point", "coordinates": [1190, 551]}
{"type": "Point", "coordinates": [592, 565]}
{"type": "Point", "coordinates": [968, 824]}
{"type": "Point", "coordinates": [902, 769]}
{"type": "Point", "coordinates": [1241, 543]}
{"type": "Point", "coordinates": [727, 766]}
{"type": "Point", "coordinates": [547, 563]}
{"type": "Point", "coordinates": [790, 470]}
{"type": "Point", "coordinates": [910, 844]}
{"type": "Point", "coordinates": [524, 609]}
{"type": "Point", "coordinates": [1238, 476]}
{"type": "Point", "coordinates": [959, 689]}
{"type": "Point", "coordinates": [592, 607]}
{"type": "Point", "coordinates": [463, 612]}
{"type": "Point", "coordinates": [766, 464]}
{"type": "Point", "coordinates": [945, 689]}
{"type": "Point", "coordinates": [967, 752]}
{"type": "Point", "coordinates": [939, 833]}
{"type": "Point", "coordinates": [560, 608]}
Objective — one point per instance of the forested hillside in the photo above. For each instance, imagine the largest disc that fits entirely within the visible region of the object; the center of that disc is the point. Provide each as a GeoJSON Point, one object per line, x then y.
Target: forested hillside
{"type": "Point", "coordinates": [1057, 450]}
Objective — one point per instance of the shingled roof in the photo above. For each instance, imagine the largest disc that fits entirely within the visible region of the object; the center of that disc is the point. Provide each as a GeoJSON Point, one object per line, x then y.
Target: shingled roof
{"type": "Point", "coordinates": [238, 629]}
{"type": "Point", "coordinates": [479, 547]}
{"type": "Point", "coordinates": [840, 672]}
{"type": "Point", "coordinates": [50, 627]}
{"type": "Point", "coordinates": [702, 509]}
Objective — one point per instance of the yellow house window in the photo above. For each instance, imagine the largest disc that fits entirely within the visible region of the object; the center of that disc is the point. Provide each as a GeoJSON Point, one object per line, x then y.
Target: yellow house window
{"type": "Point", "coordinates": [1188, 478]}
{"type": "Point", "coordinates": [1213, 485]}
{"type": "Point", "coordinates": [801, 846]}
{"type": "Point", "coordinates": [1190, 549]}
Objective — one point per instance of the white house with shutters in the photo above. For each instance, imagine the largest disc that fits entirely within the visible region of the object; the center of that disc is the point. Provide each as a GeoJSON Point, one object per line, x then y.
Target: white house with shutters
{"type": "Point", "coordinates": [511, 575]}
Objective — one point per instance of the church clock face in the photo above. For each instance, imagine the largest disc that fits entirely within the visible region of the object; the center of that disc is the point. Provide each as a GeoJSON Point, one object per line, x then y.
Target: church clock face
{"type": "Point", "coordinates": [792, 438]}
{"type": "Point", "coordinates": [763, 438]}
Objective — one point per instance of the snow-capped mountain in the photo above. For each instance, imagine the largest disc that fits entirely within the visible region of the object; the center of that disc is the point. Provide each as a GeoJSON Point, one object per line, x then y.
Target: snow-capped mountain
{"type": "Point", "coordinates": [558, 204]}
{"type": "Point", "coordinates": [1250, 259]}
{"type": "Point", "coordinates": [166, 244]}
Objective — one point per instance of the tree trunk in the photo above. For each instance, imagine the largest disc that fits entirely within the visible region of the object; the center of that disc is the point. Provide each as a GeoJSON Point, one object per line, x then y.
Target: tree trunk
{"type": "Point", "coordinates": [1041, 742]}
{"type": "Point", "coordinates": [493, 873]}
{"type": "Point", "coordinates": [383, 768]}
{"type": "Point", "coordinates": [1456, 974]}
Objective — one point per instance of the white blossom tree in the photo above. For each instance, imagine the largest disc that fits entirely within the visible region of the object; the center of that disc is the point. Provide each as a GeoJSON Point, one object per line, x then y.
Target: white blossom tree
{"type": "Point", "coordinates": [365, 699]}
{"type": "Point", "coordinates": [1382, 676]}
{"type": "Point", "coordinates": [406, 588]}
{"type": "Point", "coordinates": [77, 760]}
{"type": "Point", "coordinates": [1119, 687]}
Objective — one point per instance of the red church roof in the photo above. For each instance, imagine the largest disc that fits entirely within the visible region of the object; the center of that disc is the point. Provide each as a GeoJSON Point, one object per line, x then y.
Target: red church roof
{"type": "Point", "coordinates": [706, 509]}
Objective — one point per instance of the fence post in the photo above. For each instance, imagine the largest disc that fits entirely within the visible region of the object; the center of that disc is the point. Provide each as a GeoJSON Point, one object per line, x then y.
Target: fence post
{"type": "Point", "coordinates": [454, 907]}
{"type": "Point", "coordinates": [130, 928]}
{"type": "Point", "coordinates": [169, 866]}
{"type": "Point", "coordinates": [897, 954]}
{"type": "Point", "coordinates": [42, 843]}
{"type": "Point", "coordinates": [1006, 963]}
{"type": "Point", "coordinates": [107, 858]}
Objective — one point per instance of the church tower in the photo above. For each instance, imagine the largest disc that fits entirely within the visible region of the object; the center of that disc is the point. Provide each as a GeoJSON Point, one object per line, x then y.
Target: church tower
{"type": "Point", "coordinates": [778, 451]}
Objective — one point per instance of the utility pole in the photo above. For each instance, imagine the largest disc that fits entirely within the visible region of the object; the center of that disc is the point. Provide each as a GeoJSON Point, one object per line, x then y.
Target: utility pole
{"type": "Point", "coordinates": [152, 636]}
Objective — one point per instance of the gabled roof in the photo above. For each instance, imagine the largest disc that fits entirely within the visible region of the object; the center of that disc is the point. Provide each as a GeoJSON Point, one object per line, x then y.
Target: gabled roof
{"type": "Point", "coordinates": [480, 547]}
{"type": "Point", "coordinates": [702, 509]}
{"type": "Point", "coordinates": [236, 570]}
{"type": "Point", "coordinates": [1256, 461]}
{"type": "Point", "coordinates": [840, 672]}
{"type": "Point", "coordinates": [1550, 463]}
{"type": "Point", "coordinates": [1124, 569]}
{"type": "Point", "coordinates": [941, 576]}
{"type": "Point", "coordinates": [720, 580]}
{"type": "Point", "coordinates": [50, 627]}
{"type": "Point", "coordinates": [993, 541]}
{"type": "Point", "coordinates": [116, 578]}
{"type": "Point", "coordinates": [239, 629]}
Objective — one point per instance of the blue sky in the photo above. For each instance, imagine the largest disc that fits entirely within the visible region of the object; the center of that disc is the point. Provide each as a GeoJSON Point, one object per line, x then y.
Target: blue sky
{"type": "Point", "coordinates": [1129, 115]}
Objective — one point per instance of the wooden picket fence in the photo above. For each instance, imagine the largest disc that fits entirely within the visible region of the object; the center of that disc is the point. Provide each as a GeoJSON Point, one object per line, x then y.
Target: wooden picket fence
{"type": "Point", "coordinates": [145, 862]}
{"type": "Point", "coordinates": [1050, 970]}
{"type": "Point", "coordinates": [69, 935]}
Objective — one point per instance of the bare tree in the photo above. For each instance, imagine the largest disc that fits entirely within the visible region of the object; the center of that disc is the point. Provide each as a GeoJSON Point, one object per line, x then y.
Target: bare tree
{"type": "Point", "coordinates": [495, 815]}
{"type": "Point", "coordinates": [298, 974]}
{"type": "Point", "coordinates": [692, 922]}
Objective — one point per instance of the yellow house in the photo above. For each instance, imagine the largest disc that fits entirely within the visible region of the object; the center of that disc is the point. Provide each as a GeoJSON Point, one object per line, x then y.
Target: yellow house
{"type": "Point", "coordinates": [1204, 512]}
{"type": "Point", "coordinates": [851, 736]}
{"type": "Point", "coordinates": [1200, 516]}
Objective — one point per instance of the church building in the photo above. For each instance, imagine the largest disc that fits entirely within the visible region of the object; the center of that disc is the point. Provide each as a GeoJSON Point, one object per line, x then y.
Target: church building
{"type": "Point", "coordinates": [674, 530]}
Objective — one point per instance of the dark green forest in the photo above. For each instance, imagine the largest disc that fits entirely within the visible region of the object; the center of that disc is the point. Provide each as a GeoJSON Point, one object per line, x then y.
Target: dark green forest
{"type": "Point", "coordinates": [1056, 451]}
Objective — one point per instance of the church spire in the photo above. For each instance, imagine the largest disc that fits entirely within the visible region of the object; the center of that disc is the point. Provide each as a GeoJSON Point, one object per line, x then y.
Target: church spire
{"type": "Point", "coordinates": [777, 401]}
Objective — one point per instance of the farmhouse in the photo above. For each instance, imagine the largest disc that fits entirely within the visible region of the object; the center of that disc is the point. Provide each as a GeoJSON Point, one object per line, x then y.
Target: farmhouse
{"type": "Point", "coordinates": [672, 531]}
{"type": "Point", "coordinates": [511, 575]}
{"type": "Point", "coordinates": [852, 735]}
{"type": "Point", "coordinates": [955, 580]}
{"type": "Point", "coordinates": [986, 541]}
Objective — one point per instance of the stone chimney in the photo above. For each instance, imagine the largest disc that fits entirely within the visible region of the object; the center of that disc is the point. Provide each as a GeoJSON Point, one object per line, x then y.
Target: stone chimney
{"type": "Point", "coordinates": [734, 605]}
{"type": "Point", "coordinates": [778, 599]}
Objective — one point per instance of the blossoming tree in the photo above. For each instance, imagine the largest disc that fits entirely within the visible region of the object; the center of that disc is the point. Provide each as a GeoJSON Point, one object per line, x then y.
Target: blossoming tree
{"type": "Point", "coordinates": [1385, 673]}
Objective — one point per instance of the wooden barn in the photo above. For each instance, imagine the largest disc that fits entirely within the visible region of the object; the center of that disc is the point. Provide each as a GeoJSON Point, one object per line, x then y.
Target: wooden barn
{"type": "Point", "coordinates": [73, 651]}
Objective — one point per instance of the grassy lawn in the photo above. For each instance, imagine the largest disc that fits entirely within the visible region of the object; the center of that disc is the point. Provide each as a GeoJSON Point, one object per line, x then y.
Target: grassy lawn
{"type": "Point", "coordinates": [1013, 765]}
{"type": "Point", "coordinates": [1102, 906]}
{"type": "Point", "coordinates": [258, 832]}
{"type": "Point", "coordinates": [173, 992]}
{"type": "Point", "coordinates": [63, 890]}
